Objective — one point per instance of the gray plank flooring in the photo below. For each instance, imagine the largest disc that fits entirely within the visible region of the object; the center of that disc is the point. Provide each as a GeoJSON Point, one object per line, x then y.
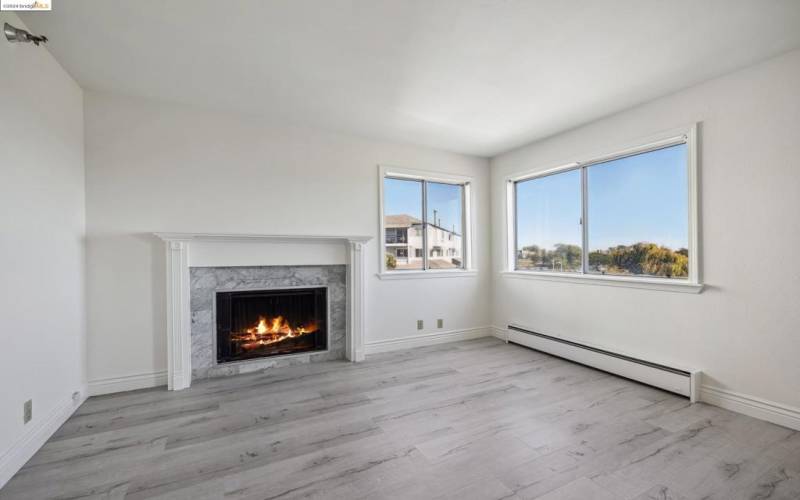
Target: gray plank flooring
{"type": "Point", "coordinates": [468, 420]}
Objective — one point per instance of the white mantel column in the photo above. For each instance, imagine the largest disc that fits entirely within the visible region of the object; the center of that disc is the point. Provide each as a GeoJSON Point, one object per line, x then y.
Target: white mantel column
{"type": "Point", "coordinates": [356, 307]}
{"type": "Point", "coordinates": [179, 351]}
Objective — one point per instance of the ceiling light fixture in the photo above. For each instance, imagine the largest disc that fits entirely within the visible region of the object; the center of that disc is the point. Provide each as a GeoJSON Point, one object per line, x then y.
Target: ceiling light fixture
{"type": "Point", "coordinates": [16, 35]}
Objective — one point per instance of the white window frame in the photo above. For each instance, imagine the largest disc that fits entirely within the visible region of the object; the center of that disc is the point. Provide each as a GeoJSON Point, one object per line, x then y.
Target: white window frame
{"type": "Point", "coordinates": [684, 135]}
{"type": "Point", "coordinates": [468, 215]}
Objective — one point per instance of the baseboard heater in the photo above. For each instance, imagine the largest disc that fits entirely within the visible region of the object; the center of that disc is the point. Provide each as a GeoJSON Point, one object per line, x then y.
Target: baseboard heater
{"type": "Point", "coordinates": [677, 380]}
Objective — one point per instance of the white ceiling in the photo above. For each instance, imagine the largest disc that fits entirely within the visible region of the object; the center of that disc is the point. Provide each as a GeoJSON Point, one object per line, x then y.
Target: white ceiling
{"type": "Point", "coordinates": [472, 76]}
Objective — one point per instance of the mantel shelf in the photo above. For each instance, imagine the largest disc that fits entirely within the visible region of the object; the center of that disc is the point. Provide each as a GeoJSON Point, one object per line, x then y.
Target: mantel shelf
{"type": "Point", "coordinates": [262, 238]}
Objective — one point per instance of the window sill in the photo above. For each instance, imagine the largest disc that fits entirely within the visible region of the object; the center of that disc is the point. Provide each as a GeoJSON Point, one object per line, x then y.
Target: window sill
{"type": "Point", "coordinates": [645, 283]}
{"type": "Point", "coordinates": [410, 275]}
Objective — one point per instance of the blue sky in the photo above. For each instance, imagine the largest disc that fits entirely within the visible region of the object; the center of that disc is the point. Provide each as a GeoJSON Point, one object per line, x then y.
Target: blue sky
{"type": "Point", "coordinates": [632, 199]}
{"type": "Point", "coordinates": [405, 197]}
{"type": "Point", "coordinates": [549, 210]}
{"type": "Point", "coordinates": [402, 197]}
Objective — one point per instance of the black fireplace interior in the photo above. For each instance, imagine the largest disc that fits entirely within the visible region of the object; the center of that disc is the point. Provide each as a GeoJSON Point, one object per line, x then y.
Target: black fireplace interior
{"type": "Point", "coordinates": [261, 323]}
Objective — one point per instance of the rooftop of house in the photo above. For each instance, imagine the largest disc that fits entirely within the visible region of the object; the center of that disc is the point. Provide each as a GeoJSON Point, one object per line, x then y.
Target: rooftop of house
{"type": "Point", "coordinates": [405, 221]}
{"type": "Point", "coordinates": [400, 220]}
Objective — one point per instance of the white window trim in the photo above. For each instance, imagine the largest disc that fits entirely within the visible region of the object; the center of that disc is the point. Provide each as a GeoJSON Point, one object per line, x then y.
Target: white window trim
{"type": "Point", "coordinates": [693, 284]}
{"type": "Point", "coordinates": [469, 268]}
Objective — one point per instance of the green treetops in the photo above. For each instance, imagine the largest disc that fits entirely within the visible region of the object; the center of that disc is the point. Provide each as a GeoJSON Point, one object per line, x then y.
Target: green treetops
{"type": "Point", "coordinates": [640, 258]}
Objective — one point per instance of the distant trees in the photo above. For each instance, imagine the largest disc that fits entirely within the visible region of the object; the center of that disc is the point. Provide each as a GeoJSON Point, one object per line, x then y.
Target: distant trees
{"type": "Point", "coordinates": [599, 258]}
{"type": "Point", "coordinates": [563, 257]}
{"type": "Point", "coordinates": [567, 255]}
{"type": "Point", "coordinates": [640, 258]}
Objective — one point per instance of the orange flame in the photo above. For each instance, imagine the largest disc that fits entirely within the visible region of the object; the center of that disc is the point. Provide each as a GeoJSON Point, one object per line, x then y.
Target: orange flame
{"type": "Point", "coordinates": [271, 331]}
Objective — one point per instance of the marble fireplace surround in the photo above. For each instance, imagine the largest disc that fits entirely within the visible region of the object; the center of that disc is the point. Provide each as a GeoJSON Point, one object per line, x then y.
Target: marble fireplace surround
{"type": "Point", "coordinates": [183, 250]}
{"type": "Point", "coordinates": [207, 281]}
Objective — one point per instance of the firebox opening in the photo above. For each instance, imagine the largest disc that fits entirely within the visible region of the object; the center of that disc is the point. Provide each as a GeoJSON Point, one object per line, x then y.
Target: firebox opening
{"type": "Point", "coordinates": [261, 323]}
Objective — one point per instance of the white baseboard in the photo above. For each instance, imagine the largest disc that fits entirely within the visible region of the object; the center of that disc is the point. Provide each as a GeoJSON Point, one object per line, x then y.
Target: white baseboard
{"type": "Point", "coordinates": [776, 413]}
{"type": "Point", "coordinates": [36, 435]}
{"type": "Point", "coordinates": [500, 333]}
{"type": "Point", "coordinates": [127, 383]}
{"type": "Point", "coordinates": [426, 339]}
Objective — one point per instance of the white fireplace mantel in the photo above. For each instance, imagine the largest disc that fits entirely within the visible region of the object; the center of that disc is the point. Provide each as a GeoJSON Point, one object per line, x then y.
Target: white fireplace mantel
{"type": "Point", "coordinates": [178, 246]}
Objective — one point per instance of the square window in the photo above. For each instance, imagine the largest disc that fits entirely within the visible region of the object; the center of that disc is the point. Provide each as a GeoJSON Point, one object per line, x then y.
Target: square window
{"type": "Point", "coordinates": [429, 215]}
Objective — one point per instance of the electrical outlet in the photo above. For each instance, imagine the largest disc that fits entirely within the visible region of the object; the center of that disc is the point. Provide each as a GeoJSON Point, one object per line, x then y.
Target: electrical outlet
{"type": "Point", "coordinates": [420, 325]}
{"type": "Point", "coordinates": [439, 323]}
{"type": "Point", "coordinates": [27, 411]}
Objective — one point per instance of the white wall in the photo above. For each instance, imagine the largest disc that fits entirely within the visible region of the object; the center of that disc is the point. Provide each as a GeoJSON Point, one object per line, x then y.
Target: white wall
{"type": "Point", "coordinates": [42, 308]}
{"type": "Point", "coordinates": [155, 167]}
{"type": "Point", "coordinates": [743, 331]}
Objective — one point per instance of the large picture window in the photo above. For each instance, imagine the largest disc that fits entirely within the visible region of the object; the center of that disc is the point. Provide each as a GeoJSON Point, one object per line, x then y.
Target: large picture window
{"type": "Point", "coordinates": [629, 214]}
{"type": "Point", "coordinates": [424, 223]}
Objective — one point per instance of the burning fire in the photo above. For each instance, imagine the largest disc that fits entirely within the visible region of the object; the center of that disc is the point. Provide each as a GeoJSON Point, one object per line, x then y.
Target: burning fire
{"type": "Point", "coordinates": [271, 331]}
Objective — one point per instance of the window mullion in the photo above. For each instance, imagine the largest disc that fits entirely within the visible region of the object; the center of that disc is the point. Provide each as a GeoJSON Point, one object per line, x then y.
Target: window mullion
{"type": "Point", "coordinates": [584, 221]}
{"type": "Point", "coordinates": [425, 225]}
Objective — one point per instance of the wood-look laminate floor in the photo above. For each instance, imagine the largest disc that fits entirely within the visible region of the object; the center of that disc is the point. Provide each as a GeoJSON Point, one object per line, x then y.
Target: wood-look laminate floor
{"type": "Point", "coordinates": [468, 420]}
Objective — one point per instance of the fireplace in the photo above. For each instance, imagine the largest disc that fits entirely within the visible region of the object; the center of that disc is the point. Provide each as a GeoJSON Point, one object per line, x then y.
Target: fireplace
{"type": "Point", "coordinates": [262, 323]}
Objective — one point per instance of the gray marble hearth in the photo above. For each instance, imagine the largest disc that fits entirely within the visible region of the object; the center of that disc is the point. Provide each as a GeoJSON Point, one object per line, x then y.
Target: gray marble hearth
{"type": "Point", "coordinates": [206, 281]}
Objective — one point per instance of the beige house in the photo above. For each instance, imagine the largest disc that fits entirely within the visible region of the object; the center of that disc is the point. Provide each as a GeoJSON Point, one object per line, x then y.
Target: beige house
{"type": "Point", "coordinates": [404, 242]}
